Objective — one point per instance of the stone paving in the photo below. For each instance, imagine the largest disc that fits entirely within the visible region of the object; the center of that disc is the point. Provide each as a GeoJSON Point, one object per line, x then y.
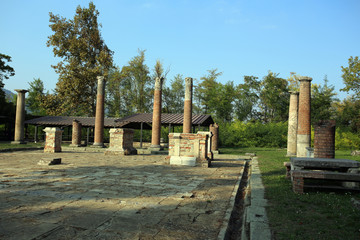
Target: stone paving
{"type": "Point", "coordinates": [93, 196]}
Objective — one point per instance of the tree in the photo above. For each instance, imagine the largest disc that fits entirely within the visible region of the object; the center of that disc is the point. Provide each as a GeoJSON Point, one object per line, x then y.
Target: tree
{"type": "Point", "coordinates": [247, 99]}
{"type": "Point", "coordinates": [84, 57]}
{"type": "Point", "coordinates": [274, 98]}
{"type": "Point", "coordinates": [5, 73]}
{"type": "Point", "coordinates": [206, 91]}
{"type": "Point", "coordinates": [173, 97]}
{"type": "Point", "coordinates": [137, 85]}
{"type": "Point", "coordinates": [225, 101]}
{"type": "Point", "coordinates": [351, 76]}
{"type": "Point", "coordinates": [322, 99]}
{"type": "Point", "coordinates": [347, 114]}
{"type": "Point", "coordinates": [35, 97]}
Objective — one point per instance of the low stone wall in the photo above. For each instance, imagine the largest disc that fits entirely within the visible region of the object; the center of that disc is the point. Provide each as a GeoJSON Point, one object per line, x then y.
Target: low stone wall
{"type": "Point", "coordinates": [188, 149]}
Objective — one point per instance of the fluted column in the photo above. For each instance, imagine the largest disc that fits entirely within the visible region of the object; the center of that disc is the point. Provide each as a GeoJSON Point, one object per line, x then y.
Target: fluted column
{"type": "Point", "coordinates": [156, 122]}
{"type": "Point", "coordinates": [304, 118]}
{"type": "Point", "coordinates": [99, 115]}
{"type": "Point", "coordinates": [188, 105]}
{"type": "Point", "coordinates": [20, 117]}
{"type": "Point", "coordinates": [292, 124]}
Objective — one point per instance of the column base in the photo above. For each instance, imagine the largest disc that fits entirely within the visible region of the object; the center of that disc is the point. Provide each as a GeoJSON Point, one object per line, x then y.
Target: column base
{"type": "Point", "coordinates": [98, 145]}
{"type": "Point", "coordinates": [156, 148]}
{"type": "Point", "coordinates": [18, 142]}
{"type": "Point", "coordinates": [303, 141]}
{"type": "Point", "coordinates": [179, 160]}
{"type": "Point", "coordinates": [290, 155]}
{"type": "Point", "coordinates": [215, 152]}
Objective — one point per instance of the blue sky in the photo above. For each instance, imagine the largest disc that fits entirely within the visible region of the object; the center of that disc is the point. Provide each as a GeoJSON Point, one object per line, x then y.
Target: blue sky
{"type": "Point", "coordinates": [311, 38]}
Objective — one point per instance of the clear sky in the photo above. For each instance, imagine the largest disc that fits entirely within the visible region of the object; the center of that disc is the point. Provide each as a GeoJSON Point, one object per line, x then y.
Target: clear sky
{"type": "Point", "coordinates": [310, 37]}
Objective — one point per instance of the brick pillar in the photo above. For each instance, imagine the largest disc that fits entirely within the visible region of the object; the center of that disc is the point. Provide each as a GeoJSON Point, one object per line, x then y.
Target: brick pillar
{"type": "Point", "coordinates": [304, 118]}
{"type": "Point", "coordinates": [188, 105]}
{"type": "Point", "coordinates": [20, 117]}
{"type": "Point", "coordinates": [53, 139]}
{"type": "Point", "coordinates": [99, 115]}
{"type": "Point", "coordinates": [214, 129]}
{"type": "Point", "coordinates": [156, 122]}
{"type": "Point", "coordinates": [324, 139]}
{"type": "Point", "coordinates": [292, 124]}
{"type": "Point", "coordinates": [76, 134]}
{"type": "Point", "coordinates": [121, 142]}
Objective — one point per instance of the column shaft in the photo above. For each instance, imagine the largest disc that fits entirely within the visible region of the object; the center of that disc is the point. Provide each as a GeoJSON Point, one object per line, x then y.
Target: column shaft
{"type": "Point", "coordinates": [99, 115]}
{"type": "Point", "coordinates": [292, 124]}
{"type": "Point", "coordinates": [156, 122]}
{"type": "Point", "coordinates": [20, 117]}
{"type": "Point", "coordinates": [188, 105]}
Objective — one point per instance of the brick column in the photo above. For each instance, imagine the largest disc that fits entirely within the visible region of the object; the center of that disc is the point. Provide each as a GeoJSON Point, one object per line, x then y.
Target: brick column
{"type": "Point", "coordinates": [188, 105]}
{"type": "Point", "coordinates": [292, 124]}
{"type": "Point", "coordinates": [20, 117]}
{"type": "Point", "coordinates": [99, 115]}
{"type": "Point", "coordinates": [324, 139]}
{"type": "Point", "coordinates": [53, 139]}
{"type": "Point", "coordinates": [304, 118]}
{"type": "Point", "coordinates": [214, 129]}
{"type": "Point", "coordinates": [156, 122]}
{"type": "Point", "coordinates": [76, 134]}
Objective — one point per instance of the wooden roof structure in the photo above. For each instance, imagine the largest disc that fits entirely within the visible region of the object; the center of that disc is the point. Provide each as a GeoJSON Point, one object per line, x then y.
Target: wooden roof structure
{"type": "Point", "coordinates": [134, 121]}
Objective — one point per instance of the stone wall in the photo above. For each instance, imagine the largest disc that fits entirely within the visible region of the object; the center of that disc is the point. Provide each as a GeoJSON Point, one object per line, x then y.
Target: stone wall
{"type": "Point", "coordinates": [121, 142]}
{"type": "Point", "coordinates": [53, 139]}
{"type": "Point", "coordinates": [188, 149]}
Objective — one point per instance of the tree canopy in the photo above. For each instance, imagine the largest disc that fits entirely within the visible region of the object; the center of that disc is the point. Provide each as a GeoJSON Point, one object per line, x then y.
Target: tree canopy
{"type": "Point", "coordinates": [84, 56]}
{"type": "Point", "coordinates": [351, 75]}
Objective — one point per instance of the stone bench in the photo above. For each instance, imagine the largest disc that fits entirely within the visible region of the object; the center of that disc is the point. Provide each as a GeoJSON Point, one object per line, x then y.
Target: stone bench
{"type": "Point", "coordinates": [298, 177]}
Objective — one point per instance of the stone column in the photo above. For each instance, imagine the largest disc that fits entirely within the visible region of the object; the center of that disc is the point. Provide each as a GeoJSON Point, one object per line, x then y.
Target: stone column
{"type": "Point", "coordinates": [20, 117]}
{"type": "Point", "coordinates": [99, 115]}
{"type": "Point", "coordinates": [214, 128]}
{"type": "Point", "coordinates": [304, 118]}
{"type": "Point", "coordinates": [156, 122]}
{"type": "Point", "coordinates": [292, 124]}
{"type": "Point", "coordinates": [188, 105]}
{"type": "Point", "coordinates": [76, 134]}
{"type": "Point", "coordinates": [53, 139]}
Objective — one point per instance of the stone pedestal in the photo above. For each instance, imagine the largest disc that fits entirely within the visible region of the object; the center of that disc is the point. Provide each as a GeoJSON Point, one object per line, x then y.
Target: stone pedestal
{"type": "Point", "coordinates": [20, 117]}
{"type": "Point", "coordinates": [292, 124]}
{"type": "Point", "coordinates": [121, 142]}
{"type": "Point", "coordinates": [76, 134]}
{"type": "Point", "coordinates": [156, 122]}
{"type": "Point", "coordinates": [214, 129]}
{"type": "Point", "coordinates": [188, 105]}
{"type": "Point", "coordinates": [53, 139]}
{"type": "Point", "coordinates": [210, 154]}
{"type": "Point", "coordinates": [304, 118]}
{"type": "Point", "coordinates": [99, 115]}
{"type": "Point", "coordinates": [324, 139]}
{"type": "Point", "coordinates": [188, 149]}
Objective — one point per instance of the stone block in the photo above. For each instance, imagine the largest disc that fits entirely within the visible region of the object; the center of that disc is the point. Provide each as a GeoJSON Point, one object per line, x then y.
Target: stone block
{"type": "Point", "coordinates": [50, 161]}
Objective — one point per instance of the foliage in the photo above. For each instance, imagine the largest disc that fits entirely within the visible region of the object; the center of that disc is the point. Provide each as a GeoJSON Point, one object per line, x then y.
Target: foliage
{"type": "Point", "coordinates": [173, 96]}
{"type": "Point", "coordinates": [84, 57]}
{"type": "Point", "coordinates": [6, 72]}
{"type": "Point", "coordinates": [207, 91]}
{"type": "Point", "coordinates": [322, 100]}
{"type": "Point", "coordinates": [347, 114]}
{"type": "Point", "coordinates": [35, 97]}
{"type": "Point", "coordinates": [247, 99]}
{"type": "Point", "coordinates": [274, 97]}
{"type": "Point", "coordinates": [253, 134]}
{"type": "Point", "coordinates": [346, 140]}
{"type": "Point", "coordinates": [351, 75]}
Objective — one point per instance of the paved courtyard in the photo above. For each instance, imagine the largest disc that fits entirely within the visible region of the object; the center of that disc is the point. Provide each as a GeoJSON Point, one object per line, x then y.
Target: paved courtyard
{"type": "Point", "coordinates": [93, 196]}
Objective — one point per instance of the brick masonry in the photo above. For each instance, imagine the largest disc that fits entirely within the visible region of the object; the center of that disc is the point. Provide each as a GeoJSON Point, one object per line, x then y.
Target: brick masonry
{"type": "Point", "coordinates": [324, 139]}
{"type": "Point", "coordinates": [76, 133]}
{"type": "Point", "coordinates": [214, 129]}
{"type": "Point", "coordinates": [156, 123]}
{"type": "Point", "coordinates": [121, 142]}
{"type": "Point", "coordinates": [53, 139]}
{"type": "Point", "coordinates": [188, 105]}
{"type": "Point", "coordinates": [99, 115]}
{"type": "Point", "coordinates": [304, 118]}
{"type": "Point", "coordinates": [189, 145]}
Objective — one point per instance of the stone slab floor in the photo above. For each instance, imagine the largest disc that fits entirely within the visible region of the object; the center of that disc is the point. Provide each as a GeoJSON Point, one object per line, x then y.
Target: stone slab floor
{"type": "Point", "coordinates": [93, 196]}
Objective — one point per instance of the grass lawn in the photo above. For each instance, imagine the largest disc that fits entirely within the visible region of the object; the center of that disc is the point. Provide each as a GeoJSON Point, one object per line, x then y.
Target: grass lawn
{"type": "Point", "coordinates": [313, 215]}
{"type": "Point", "coordinates": [7, 145]}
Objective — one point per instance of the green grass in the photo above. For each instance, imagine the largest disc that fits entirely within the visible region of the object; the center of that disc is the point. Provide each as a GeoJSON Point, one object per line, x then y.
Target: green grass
{"type": "Point", "coordinates": [313, 215]}
{"type": "Point", "coordinates": [8, 145]}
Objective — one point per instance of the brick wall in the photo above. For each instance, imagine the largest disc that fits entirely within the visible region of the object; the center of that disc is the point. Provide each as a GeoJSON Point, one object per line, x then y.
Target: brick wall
{"type": "Point", "coordinates": [324, 139]}
{"type": "Point", "coordinates": [53, 140]}
{"type": "Point", "coordinates": [121, 141]}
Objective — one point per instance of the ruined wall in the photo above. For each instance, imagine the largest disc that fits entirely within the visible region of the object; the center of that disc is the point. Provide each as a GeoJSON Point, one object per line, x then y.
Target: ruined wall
{"type": "Point", "coordinates": [121, 142]}
{"type": "Point", "coordinates": [53, 139]}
